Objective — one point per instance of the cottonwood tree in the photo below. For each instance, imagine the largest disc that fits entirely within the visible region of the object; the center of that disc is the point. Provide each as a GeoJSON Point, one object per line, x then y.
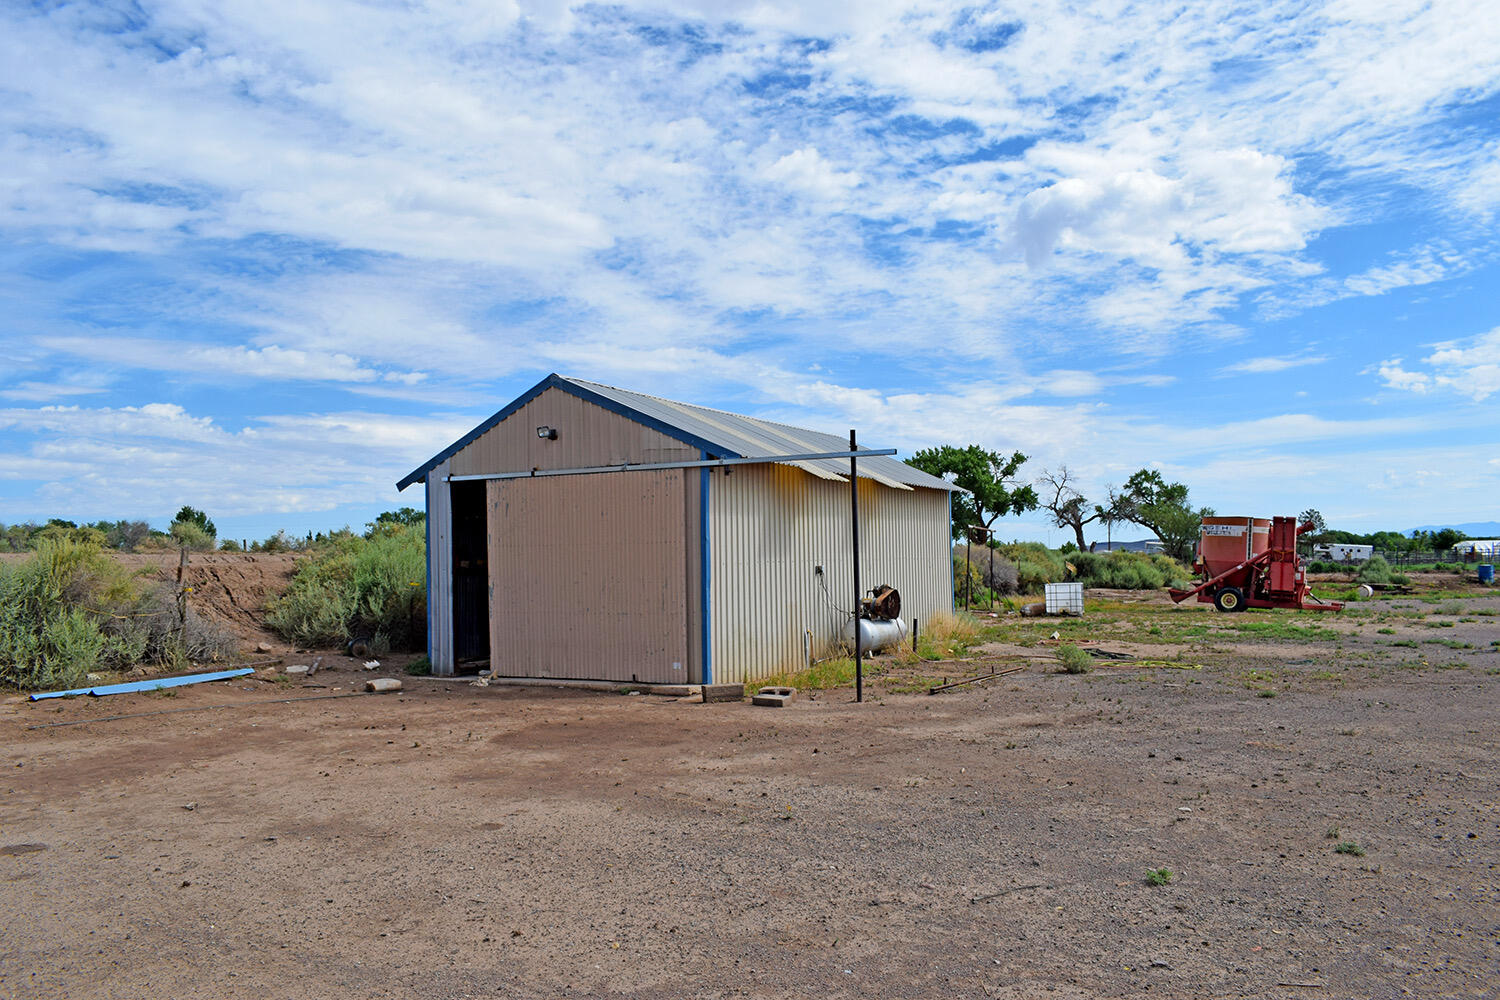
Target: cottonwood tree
{"type": "Point", "coordinates": [989, 477]}
{"type": "Point", "coordinates": [1150, 501]}
{"type": "Point", "coordinates": [1068, 507]}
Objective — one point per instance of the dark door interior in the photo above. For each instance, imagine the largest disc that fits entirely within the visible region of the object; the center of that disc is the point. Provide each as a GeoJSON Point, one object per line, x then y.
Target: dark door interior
{"type": "Point", "coordinates": [471, 577]}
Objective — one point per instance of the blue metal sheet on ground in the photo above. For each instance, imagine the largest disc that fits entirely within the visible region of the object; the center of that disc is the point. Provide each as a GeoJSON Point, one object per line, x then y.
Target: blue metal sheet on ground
{"type": "Point", "coordinates": [152, 685]}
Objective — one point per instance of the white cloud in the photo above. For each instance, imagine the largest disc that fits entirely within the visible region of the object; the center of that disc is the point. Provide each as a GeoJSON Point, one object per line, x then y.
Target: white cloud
{"type": "Point", "coordinates": [42, 392]}
{"type": "Point", "coordinates": [271, 362]}
{"type": "Point", "coordinates": [1397, 377]}
{"type": "Point", "coordinates": [102, 461]}
{"type": "Point", "coordinates": [806, 170]}
{"type": "Point", "coordinates": [1469, 367]}
{"type": "Point", "coordinates": [1271, 365]}
{"type": "Point", "coordinates": [1422, 265]}
{"type": "Point", "coordinates": [393, 140]}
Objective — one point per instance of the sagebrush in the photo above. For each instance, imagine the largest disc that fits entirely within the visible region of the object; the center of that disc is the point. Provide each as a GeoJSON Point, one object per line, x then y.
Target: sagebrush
{"type": "Point", "coordinates": [70, 609]}
{"type": "Point", "coordinates": [354, 587]}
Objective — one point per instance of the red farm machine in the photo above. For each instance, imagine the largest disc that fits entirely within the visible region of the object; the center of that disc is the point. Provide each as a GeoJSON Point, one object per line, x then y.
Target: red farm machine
{"type": "Point", "coordinates": [1252, 562]}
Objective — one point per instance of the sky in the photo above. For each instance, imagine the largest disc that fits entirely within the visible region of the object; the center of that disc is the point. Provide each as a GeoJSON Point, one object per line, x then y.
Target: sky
{"type": "Point", "coordinates": [266, 258]}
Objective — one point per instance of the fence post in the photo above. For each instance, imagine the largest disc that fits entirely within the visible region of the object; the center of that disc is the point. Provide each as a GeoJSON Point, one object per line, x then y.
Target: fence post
{"type": "Point", "coordinates": [182, 561]}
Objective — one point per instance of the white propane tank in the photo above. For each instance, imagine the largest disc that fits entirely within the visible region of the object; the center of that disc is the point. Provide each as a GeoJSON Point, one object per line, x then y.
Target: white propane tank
{"type": "Point", "coordinates": [875, 634]}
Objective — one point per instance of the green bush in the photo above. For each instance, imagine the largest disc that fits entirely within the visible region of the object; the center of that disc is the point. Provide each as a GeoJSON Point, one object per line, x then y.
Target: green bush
{"type": "Point", "coordinates": [1074, 660]}
{"type": "Point", "coordinates": [318, 603]}
{"type": "Point", "coordinates": [355, 587]}
{"type": "Point", "coordinates": [1123, 570]}
{"type": "Point", "coordinates": [1376, 570]}
{"type": "Point", "coordinates": [390, 588]}
{"type": "Point", "coordinates": [190, 535]}
{"type": "Point", "coordinates": [988, 575]}
{"type": "Point", "coordinates": [1026, 567]}
{"type": "Point", "coordinates": [1035, 564]}
{"type": "Point", "coordinates": [69, 610]}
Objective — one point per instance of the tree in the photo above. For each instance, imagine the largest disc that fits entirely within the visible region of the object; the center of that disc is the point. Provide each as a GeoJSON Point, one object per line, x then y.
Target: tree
{"type": "Point", "coordinates": [1319, 532]}
{"type": "Point", "coordinates": [987, 475]}
{"type": "Point", "coordinates": [406, 515]}
{"type": "Point", "coordinates": [192, 515]}
{"type": "Point", "coordinates": [1150, 501]}
{"type": "Point", "coordinates": [123, 536]}
{"type": "Point", "coordinates": [1110, 513]}
{"type": "Point", "coordinates": [1445, 538]}
{"type": "Point", "coordinates": [395, 521]}
{"type": "Point", "coordinates": [1067, 506]}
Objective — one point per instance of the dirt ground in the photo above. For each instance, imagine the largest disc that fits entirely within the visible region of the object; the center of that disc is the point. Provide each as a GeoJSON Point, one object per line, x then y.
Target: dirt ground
{"type": "Point", "coordinates": [990, 841]}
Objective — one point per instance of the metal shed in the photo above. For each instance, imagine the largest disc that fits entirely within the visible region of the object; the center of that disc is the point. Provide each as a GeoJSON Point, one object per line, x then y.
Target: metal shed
{"type": "Point", "coordinates": [553, 553]}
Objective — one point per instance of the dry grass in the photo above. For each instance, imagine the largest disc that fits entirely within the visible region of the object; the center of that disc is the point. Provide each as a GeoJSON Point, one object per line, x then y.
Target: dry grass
{"type": "Point", "coordinates": [945, 636]}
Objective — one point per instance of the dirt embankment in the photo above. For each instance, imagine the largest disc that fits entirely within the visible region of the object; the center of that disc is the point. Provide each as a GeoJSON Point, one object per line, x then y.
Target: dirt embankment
{"type": "Point", "coordinates": [230, 589]}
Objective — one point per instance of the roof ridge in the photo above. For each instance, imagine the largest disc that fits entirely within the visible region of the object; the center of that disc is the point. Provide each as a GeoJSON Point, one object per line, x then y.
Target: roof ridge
{"type": "Point", "coordinates": [718, 433]}
{"type": "Point", "coordinates": [697, 406]}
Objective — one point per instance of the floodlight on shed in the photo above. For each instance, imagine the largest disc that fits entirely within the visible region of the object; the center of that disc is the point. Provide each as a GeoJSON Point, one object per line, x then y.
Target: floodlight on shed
{"type": "Point", "coordinates": [547, 433]}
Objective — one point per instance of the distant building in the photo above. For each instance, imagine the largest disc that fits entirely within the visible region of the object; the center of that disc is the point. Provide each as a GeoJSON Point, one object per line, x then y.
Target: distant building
{"type": "Point", "coordinates": [1148, 545]}
{"type": "Point", "coordinates": [1477, 547]}
{"type": "Point", "coordinates": [1335, 552]}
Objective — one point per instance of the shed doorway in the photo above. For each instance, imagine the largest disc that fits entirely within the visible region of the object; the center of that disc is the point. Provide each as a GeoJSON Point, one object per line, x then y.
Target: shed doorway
{"type": "Point", "coordinates": [590, 577]}
{"type": "Point", "coordinates": [471, 579]}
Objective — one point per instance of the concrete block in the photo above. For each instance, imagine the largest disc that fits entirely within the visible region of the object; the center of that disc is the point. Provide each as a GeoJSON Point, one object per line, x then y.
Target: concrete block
{"type": "Point", "coordinates": [774, 697]}
{"type": "Point", "coordinates": [714, 693]}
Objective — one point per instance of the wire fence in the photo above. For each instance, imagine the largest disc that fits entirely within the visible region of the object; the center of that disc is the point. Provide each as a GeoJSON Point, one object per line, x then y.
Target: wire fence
{"type": "Point", "coordinates": [1419, 557]}
{"type": "Point", "coordinates": [1412, 557]}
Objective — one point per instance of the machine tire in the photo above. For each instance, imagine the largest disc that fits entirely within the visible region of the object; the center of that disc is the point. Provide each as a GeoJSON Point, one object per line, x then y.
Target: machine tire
{"type": "Point", "coordinates": [1230, 599]}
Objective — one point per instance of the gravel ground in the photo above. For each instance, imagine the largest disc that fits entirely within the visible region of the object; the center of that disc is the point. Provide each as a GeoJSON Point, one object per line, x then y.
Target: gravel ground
{"type": "Point", "coordinates": [991, 841]}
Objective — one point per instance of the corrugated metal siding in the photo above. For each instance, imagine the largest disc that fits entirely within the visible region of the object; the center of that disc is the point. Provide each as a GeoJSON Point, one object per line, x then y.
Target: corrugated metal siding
{"type": "Point", "coordinates": [770, 525]}
{"type": "Point", "coordinates": [587, 435]}
{"type": "Point", "coordinates": [439, 572]}
{"type": "Point", "coordinates": [590, 576]}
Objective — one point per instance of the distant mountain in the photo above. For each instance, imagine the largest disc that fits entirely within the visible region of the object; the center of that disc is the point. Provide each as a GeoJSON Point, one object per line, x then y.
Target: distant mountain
{"type": "Point", "coordinates": [1474, 529]}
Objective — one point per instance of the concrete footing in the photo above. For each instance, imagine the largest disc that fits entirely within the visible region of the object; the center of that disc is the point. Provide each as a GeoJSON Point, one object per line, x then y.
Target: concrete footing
{"type": "Point", "coordinates": [774, 697]}
{"type": "Point", "coordinates": [715, 693]}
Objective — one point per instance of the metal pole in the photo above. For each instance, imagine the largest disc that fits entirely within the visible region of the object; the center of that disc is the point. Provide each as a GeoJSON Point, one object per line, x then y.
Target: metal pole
{"type": "Point", "coordinates": [968, 567]}
{"type": "Point", "coordinates": [859, 646]}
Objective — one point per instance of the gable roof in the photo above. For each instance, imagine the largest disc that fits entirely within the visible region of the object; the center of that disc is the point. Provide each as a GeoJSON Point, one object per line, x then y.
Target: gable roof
{"type": "Point", "coordinates": [720, 434]}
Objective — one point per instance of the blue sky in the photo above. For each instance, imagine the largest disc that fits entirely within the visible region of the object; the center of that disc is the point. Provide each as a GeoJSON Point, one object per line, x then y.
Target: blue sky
{"type": "Point", "coordinates": [265, 258]}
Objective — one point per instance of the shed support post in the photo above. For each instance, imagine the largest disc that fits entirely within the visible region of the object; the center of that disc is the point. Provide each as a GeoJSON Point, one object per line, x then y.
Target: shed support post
{"type": "Point", "coordinates": [859, 650]}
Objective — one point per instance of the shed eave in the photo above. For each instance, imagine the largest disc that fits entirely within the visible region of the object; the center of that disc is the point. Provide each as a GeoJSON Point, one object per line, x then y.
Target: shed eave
{"type": "Point", "coordinates": [556, 381]}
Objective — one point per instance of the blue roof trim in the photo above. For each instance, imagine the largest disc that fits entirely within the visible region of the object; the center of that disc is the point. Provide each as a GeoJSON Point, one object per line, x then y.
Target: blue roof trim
{"type": "Point", "coordinates": [556, 381]}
